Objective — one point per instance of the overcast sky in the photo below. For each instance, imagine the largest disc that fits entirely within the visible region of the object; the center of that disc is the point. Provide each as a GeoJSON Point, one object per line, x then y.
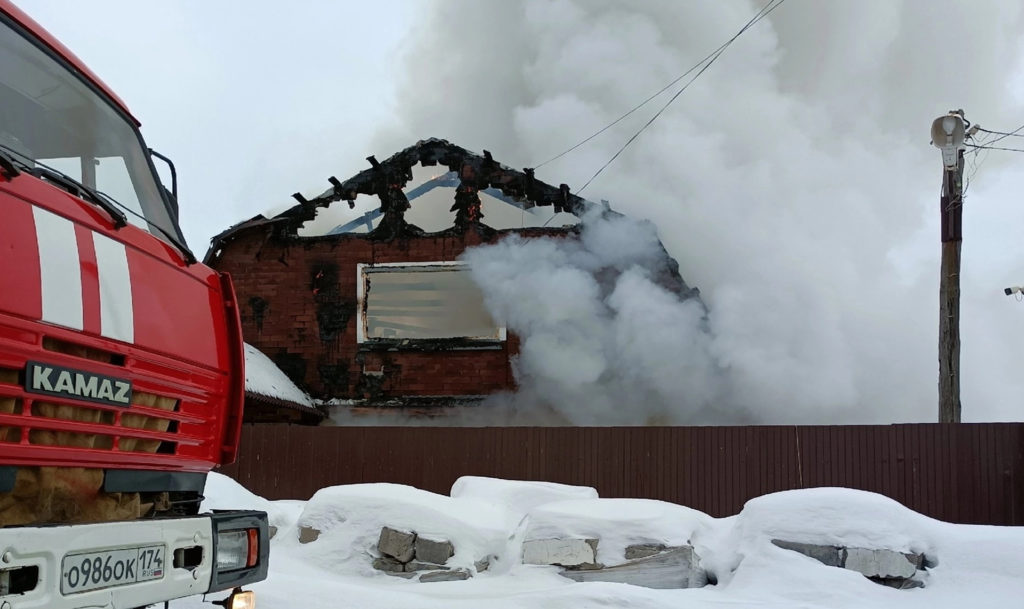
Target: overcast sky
{"type": "Point", "coordinates": [252, 102]}
{"type": "Point", "coordinates": [793, 181]}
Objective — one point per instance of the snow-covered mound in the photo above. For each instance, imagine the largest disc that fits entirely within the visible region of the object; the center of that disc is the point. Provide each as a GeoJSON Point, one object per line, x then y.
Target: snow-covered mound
{"type": "Point", "coordinates": [223, 493]}
{"type": "Point", "coordinates": [350, 519]}
{"type": "Point", "coordinates": [834, 516]}
{"type": "Point", "coordinates": [617, 523]}
{"type": "Point", "coordinates": [263, 377]}
{"type": "Point", "coordinates": [518, 496]}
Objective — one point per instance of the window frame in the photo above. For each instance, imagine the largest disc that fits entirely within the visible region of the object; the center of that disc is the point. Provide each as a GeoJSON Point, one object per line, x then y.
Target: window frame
{"type": "Point", "coordinates": [364, 270]}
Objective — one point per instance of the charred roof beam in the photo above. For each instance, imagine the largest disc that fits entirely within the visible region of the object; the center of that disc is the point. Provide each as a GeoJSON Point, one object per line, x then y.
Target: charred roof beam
{"type": "Point", "coordinates": [386, 179]}
{"type": "Point", "coordinates": [487, 173]}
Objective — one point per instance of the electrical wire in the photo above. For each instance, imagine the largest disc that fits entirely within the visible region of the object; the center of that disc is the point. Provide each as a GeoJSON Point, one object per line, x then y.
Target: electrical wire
{"type": "Point", "coordinates": [974, 164]}
{"type": "Point", "coordinates": [1014, 133]}
{"type": "Point", "coordinates": [978, 159]}
{"type": "Point", "coordinates": [646, 101]}
{"type": "Point", "coordinates": [764, 12]}
{"type": "Point", "coordinates": [1004, 134]}
{"type": "Point", "coordinates": [721, 48]}
{"type": "Point", "coordinates": [995, 148]}
{"type": "Point", "coordinates": [987, 146]}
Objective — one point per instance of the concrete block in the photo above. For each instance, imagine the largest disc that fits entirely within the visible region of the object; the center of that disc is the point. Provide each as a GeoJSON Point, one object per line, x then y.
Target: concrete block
{"type": "Point", "coordinates": [827, 555]}
{"type": "Point", "coordinates": [587, 566]}
{"type": "Point", "coordinates": [429, 550]}
{"type": "Point", "coordinates": [674, 568]}
{"type": "Point", "coordinates": [564, 552]}
{"type": "Point", "coordinates": [396, 544]}
{"type": "Point", "coordinates": [879, 563]}
{"type": "Point", "coordinates": [308, 534]}
{"type": "Point", "coordinates": [643, 550]}
{"type": "Point", "coordinates": [445, 576]}
{"type": "Point", "coordinates": [920, 561]}
{"type": "Point", "coordinates": [899, 583]}
{"type": "Point", "coordinates": [386, 563]}
{"type": "Point", "coordinates": [415, 565]}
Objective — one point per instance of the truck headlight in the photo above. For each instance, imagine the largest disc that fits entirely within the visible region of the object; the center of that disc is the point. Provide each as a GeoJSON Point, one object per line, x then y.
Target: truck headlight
{"type": "Point", "coordinates": [241, 600]}
{"type": "Point", "coordinates": [240, 549]}
{"type": "Point", "coordinates": [237, 549]}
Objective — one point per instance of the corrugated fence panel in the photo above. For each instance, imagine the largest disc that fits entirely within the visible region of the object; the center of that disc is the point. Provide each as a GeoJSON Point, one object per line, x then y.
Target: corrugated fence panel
{"type": "Point", "coordinates": [968, 473]}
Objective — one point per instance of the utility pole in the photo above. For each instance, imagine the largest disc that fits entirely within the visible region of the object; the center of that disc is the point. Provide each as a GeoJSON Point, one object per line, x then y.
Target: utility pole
{"type": "Point", "coordinates": [948, 135]}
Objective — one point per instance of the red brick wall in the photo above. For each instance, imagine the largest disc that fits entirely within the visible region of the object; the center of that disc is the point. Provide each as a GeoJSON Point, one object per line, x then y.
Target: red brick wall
{"type": "Point", "coordinates": [299, 303]}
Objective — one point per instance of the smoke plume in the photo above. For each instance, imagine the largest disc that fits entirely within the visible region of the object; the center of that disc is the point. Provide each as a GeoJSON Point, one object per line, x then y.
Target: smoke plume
{"type": "Point", "coordinates": [602, 342]}
{"type": "Point", "coordinates": [793, 182]}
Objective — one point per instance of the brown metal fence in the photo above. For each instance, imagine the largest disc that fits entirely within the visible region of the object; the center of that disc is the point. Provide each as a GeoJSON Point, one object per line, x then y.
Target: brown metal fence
{"type": "Point", "coordinates": [968, 473]}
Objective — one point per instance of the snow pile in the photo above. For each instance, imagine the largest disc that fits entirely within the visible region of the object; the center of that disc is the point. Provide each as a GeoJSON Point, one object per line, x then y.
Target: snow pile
{"type": "Point", "coordinates": [350, 518]}
{"type": "Point", "coordinates": [833, 516]}
{"type": "Point", "coordinates": [223, 493]}
{"type": "Point", "coordinates": [617, 523]}
{"type": "Point", "coordinates": [518, 497]}
{"type": "Point", "coordinates": [264, 378]}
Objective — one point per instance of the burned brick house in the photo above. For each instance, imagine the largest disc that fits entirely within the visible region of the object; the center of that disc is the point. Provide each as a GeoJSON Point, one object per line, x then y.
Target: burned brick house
{"type": "Point", "coordinates": [388, 316]}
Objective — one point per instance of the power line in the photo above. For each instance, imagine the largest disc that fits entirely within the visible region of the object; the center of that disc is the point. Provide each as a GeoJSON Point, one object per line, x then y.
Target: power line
{"type": "Point", "coordinates": [1004, 134]}
{"type": "Point", "coordinates": [995, 148]}
{"type": "Point", "coordinates": [987, 146]}
{"type": "Point", "coordinates": [757, 17]}
{"type": "Point", "coordinates": [973, 157]}
{"type": "Point", "coordinates": [976, 151]}
{"type": "Point", "coordinates": [646, 101]}
{"type": "Point", "coordinates": [634, 109]}
{"type": "Point", "coordinates": [764, 12]}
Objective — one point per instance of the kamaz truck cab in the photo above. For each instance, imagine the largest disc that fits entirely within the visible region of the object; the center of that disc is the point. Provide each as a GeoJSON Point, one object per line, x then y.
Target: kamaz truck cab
{"type": "Point", "coordinates": [121, 357]}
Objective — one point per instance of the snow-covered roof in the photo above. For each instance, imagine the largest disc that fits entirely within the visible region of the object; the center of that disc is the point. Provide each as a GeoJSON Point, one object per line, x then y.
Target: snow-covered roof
{"type": "Point", "coordinates": [264, 378]}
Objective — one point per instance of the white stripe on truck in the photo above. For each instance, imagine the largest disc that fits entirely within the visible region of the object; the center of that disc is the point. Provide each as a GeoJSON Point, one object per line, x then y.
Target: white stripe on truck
{"type": "Point", "coordinates": [60, 273]}
{"type": "Point", "coordinates": [117, 315]}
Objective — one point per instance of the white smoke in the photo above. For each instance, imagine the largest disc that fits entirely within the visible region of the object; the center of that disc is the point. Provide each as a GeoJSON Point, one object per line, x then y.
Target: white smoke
{"type": "Point", "coordinates": [602, 342]}
{"type": "Point", "coordinates": [793, 183]}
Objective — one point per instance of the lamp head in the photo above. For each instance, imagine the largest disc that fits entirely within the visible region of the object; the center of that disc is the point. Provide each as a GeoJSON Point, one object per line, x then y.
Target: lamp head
{"type": "Point", "coordinates": [948, 136]}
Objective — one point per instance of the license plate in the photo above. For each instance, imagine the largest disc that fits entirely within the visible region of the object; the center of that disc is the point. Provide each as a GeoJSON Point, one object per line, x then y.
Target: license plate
{"type": "Point", "coordinates": [92, 570]}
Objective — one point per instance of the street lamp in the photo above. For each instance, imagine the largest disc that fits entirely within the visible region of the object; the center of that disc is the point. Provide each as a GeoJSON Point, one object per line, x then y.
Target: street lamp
{"type": "Point", "coordinates": [948, 136]}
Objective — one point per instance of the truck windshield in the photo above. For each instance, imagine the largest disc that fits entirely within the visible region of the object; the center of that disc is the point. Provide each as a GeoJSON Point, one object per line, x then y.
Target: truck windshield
{"type": "Point", "coordinates": [51, 117]}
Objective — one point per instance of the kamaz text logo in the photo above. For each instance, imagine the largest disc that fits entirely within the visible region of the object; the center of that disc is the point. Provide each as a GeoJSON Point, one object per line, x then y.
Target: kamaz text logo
{"type": "Point", "coordinates": [57, 380]}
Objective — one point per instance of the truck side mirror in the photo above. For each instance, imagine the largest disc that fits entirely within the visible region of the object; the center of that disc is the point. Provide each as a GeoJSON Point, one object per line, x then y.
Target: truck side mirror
{"type": "Point", "coordinates": [173, 198]}
{"type": "Point", "coordinates": [174, 174]}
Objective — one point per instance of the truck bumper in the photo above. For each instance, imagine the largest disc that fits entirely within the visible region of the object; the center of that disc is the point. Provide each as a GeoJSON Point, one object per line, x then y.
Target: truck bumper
{"type": "Point", "coordinates": [40, 567]}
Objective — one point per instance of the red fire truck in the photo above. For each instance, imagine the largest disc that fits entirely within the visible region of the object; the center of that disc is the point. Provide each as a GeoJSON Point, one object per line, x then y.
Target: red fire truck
{"type": "Point", "coordinates": [121, 357]}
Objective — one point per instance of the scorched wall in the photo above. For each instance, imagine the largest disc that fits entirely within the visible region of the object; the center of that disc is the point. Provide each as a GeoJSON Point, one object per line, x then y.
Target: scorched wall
{"type": "Point", "coordinates": [299, 301]}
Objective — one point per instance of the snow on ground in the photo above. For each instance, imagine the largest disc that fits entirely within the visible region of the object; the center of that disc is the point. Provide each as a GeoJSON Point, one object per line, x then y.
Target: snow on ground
{"type": "Point", "coordinates": [263, 377]}
{"type": "Point", "coordinates": [976, 566]}
{"type": "Point", "coordinates": [517, 497]}
{"type": "Point", "coordinates": [223, 493]}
